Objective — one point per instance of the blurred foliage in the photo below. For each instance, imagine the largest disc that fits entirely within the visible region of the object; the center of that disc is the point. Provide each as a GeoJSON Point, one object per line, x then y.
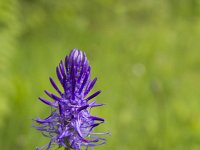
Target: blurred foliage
{"type": "Point", "coordinates": [145, 54]}
{"type": "Point", "coordinates": [9, 31]}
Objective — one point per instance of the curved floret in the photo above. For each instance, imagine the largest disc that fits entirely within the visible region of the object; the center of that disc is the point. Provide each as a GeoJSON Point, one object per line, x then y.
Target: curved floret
{"type": "Point", "coordinates": [70, 124]}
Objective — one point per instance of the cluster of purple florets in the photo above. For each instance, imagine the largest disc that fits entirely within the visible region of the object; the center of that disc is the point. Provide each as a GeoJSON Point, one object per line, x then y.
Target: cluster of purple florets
{"type": "Point", "coordinates": [70, 123]}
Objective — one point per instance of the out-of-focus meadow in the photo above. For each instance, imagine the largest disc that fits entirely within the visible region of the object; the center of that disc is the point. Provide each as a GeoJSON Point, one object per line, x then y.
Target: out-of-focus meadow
{"type": "Point", "coordinates": [145, 53]}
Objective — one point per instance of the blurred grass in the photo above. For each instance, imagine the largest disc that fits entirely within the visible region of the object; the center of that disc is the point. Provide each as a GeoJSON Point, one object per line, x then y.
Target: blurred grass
{"type": "Point", "coordinates": [145, 54]}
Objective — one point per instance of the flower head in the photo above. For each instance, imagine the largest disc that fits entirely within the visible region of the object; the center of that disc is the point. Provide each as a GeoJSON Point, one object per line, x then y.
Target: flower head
{"type": "Point", "coordinates": [70, 124]}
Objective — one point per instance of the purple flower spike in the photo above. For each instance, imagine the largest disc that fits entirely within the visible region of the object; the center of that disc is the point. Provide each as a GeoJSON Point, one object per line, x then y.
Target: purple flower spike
{"type": "Point", "coordinates": [70, 124]}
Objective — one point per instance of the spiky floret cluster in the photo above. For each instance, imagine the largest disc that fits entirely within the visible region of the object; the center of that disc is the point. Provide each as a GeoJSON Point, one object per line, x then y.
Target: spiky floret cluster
{"type": "Point", "coordinates": [70, 124]}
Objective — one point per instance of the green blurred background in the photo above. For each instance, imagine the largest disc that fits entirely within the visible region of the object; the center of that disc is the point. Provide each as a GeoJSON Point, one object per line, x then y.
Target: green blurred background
{"type": "Point", "coordinates": [145, 53]}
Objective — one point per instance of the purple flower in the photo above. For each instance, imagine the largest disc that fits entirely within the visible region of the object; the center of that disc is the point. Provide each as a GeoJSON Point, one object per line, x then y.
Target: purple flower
{"type": "Point", "coordinates": [70, 123]}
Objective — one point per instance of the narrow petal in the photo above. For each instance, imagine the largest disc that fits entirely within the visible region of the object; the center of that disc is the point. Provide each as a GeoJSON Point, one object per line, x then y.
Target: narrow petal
{"type": "Point", "coordinates": [91, 85]}
{"type": "Point", "coordinates": [61, 67]}
{"type": "Point", "coordinates": [66, 64]}
{"type": "Point", "coordinates": [55, 86]}
{"type": "Point", "coordinates": [83, 84]}
{"type": "Point", "coordinates": [47, 102]}
{"type": "Point", "coordinates": [82, 68]}
{"type": "Point", "coordinates": [59, 75]}
{"type": "Point", "coordinates": [81, 108]}
{"type": "Point", "coordinates": [72, 79]}
{"type": "Point", "coordinates": [93, 95]}
{"type": "Point", "coordinates": [96, 118]}
{"type": "Point", "coordinates": [94, 104]}
{"type": "Point", "coordinates": [56, 98]}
